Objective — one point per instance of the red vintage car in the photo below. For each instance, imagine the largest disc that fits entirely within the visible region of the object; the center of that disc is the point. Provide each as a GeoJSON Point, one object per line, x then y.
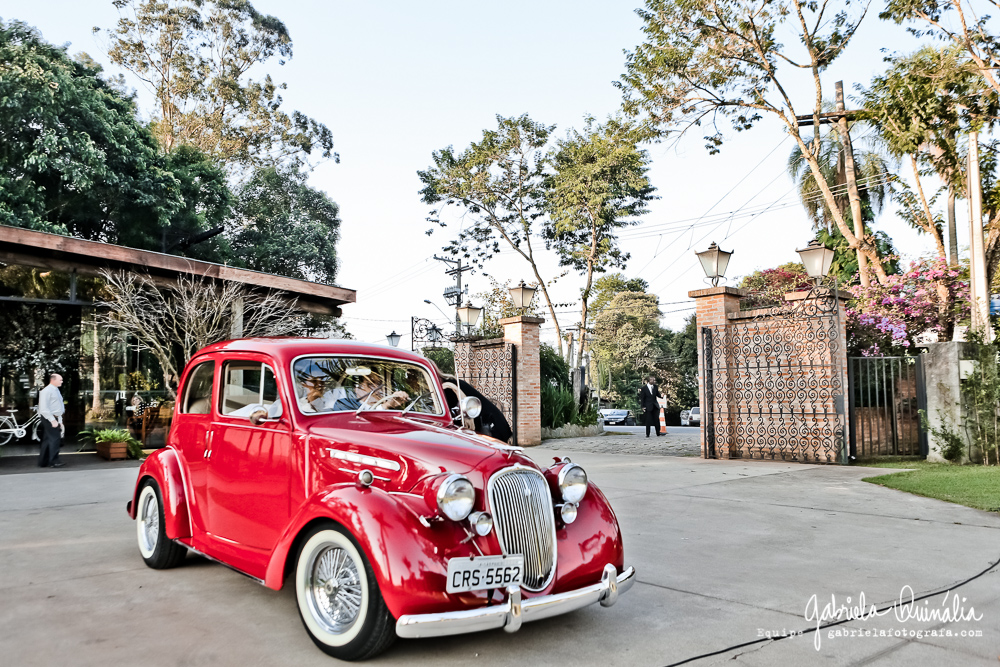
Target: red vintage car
{"type": "Point", "coordinates": [339, 466]}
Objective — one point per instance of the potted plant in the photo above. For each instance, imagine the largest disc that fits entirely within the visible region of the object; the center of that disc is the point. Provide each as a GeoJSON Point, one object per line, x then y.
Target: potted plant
{"type": "Point", "coordinates": [116, 443]}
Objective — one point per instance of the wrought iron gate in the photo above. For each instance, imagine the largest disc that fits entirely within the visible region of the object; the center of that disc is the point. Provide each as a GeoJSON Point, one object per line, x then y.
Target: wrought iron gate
{"type": "Point", "coordinates": [885, 396]}
{"type": "Point", "coordinates": [774, 383]}
{"type": "Point", "coordinates": [491, 367]}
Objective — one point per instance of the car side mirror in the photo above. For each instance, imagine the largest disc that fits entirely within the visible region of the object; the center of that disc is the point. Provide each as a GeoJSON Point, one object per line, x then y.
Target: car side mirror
{"type": "Point", "coordinates": [258, 417]}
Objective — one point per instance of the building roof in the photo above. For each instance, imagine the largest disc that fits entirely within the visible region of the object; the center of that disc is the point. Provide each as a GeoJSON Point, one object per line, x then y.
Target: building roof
{"type": "Point", "coordinates": [64, 253]}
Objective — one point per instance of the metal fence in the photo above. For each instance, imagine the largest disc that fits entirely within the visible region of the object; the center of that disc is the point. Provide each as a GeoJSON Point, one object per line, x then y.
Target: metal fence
{"type": "Point", "coordinates": [886, 394]}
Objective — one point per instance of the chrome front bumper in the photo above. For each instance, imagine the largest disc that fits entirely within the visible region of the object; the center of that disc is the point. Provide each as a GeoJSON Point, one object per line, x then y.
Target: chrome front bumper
{"type": "Point", "coordinates": [514, 612]}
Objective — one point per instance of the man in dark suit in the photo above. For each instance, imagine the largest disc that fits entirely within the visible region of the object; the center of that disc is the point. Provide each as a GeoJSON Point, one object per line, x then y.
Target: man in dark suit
{"type": "Point", "coordinates": [650, 406]}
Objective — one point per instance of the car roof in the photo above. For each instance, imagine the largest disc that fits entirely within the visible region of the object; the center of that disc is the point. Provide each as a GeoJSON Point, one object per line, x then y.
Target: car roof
{"type": "Point", "coordinates": [284, 349]}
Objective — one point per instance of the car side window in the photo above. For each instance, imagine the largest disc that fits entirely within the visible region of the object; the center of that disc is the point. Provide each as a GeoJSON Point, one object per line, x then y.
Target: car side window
{"type": "Point", "coordinates": [246, 387]}
{"type": "Point", "coordinates": [198, 393]}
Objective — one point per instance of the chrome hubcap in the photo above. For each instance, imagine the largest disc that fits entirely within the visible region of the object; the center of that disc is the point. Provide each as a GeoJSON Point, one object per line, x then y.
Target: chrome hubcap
{"type": "Point", "coordinates": [335, 589]}
{"type": "Point", "coordinates": [150, 522]}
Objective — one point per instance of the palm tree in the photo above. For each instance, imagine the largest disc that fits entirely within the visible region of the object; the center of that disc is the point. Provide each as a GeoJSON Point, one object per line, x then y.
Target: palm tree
{"type": "Point", "coordinates": [873, 173]}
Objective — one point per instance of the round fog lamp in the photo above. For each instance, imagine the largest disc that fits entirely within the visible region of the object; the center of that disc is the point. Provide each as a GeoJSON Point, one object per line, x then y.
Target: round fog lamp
{"type": "Point", "coordinates": [572, 483]}
{"type": "Point", "coordinates": [455, 497]}
{"type": "Point", "coordinates": [568, 513]}
{"type": "Point", "coordinates": [481, 522]}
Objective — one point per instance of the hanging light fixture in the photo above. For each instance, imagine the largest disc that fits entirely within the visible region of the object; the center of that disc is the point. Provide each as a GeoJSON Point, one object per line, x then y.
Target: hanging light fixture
{"type": "Point", "coordinates": [817, 259]}
{"type": "Point", "coordinates": [714, 261]}
{"type": "Point", "coordinates": [393, 338]}
{"type": "Point", "coordinates": [522, 295]}
{"type": "Point", "coordinates": [434, 334]}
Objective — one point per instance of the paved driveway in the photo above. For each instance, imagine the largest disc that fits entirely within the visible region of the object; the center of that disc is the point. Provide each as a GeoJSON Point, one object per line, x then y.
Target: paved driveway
{"type": "Point", "coordinates": [725, 552]}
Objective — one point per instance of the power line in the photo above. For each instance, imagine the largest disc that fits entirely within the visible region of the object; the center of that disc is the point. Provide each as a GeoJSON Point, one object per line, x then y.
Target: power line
{"type": "Point", "coordinates": [747, 175]}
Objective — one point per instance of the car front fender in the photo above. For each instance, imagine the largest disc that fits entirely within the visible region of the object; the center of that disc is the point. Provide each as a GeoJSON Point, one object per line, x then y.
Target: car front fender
{"type": "Point", "coordinates": [163, 467]}
{"type": "Point", "coordinates": [408, 553]}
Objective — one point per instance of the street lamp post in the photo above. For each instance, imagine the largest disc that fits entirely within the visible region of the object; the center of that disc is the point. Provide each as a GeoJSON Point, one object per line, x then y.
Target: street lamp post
{"type": "Point", "coordinates": [714, 261]}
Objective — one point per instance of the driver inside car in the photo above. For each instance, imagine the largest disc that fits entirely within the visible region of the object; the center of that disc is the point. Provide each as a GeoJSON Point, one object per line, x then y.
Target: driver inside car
{"type": "Point", "coordinates": [370, 394]}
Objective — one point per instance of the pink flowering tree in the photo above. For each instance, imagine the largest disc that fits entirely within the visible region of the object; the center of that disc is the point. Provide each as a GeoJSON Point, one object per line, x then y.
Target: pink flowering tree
{"type": "Point", "coordinates": [884, 319]}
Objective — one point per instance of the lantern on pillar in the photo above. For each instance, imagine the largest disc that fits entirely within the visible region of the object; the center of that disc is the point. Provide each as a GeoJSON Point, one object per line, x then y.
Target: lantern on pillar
{"type": "Point", "coordinates": [393, 338]}
{"type": "Point", "coordinates": [714, 261]}
{"type": "Point", "coordinates": [469, 315]}
{"type": "Point", "coordinates": [817, 259]}
{"type": "Point", "coordinates": [522, 295]}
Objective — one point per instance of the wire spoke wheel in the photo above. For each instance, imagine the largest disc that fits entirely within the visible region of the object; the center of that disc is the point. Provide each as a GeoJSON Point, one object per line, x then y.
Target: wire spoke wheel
{"type": "Point", "coordinates": [335, 590]}
{"type": "Point", "coordinates": [338, 596]}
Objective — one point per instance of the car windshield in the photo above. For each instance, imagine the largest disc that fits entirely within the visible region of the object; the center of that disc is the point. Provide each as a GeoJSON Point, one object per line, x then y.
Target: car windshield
{"type": "Point", "coordinates": [339, 384]}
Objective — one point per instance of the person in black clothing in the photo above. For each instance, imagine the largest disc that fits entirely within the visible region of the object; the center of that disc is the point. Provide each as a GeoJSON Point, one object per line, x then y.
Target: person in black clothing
{"type": "Point", "coordinates": [650, 406]}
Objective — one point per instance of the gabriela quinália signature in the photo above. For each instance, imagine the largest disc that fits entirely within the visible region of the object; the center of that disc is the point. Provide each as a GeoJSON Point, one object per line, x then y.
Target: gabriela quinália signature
{"type": "Point", "coordinates": [906, 608]}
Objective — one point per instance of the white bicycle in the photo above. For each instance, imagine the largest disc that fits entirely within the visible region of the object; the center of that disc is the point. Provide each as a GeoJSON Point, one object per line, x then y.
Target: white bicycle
{"type": "Point", "coordinates": [10, 428]}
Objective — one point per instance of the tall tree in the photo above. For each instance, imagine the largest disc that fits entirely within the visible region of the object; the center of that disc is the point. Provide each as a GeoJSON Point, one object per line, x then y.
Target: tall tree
{"type": "Point", "coordinates": [499, 182]}
{"type": "Point", "coordinates": [624, 343]}
{"type": "Point", "coordinates": [970, 31]}
{"type": "Point", "coordinates": [73, 158]}
{"type": "Point", "coordinates": [598, 185]}
{"type": "Point", "coordinates": [719, 62]}
{"type": "Point", "coordinates": [918, 107]}
{"type": "Point", "coordinates": [607, 286]}
{"type": "Point", "coordinates": [282, 225]}
{"type": "Point", "coordinates": [195, 57]}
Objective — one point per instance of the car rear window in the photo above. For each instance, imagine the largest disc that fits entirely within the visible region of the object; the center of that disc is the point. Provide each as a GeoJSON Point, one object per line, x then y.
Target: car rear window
{"type": "Point", "coordinates": [198, 392]}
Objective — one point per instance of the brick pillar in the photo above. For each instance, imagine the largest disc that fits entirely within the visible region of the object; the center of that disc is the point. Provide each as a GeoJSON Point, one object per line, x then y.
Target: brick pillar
{"type": "Point", "coordinates": [523, 333]}
{"type": "Point", "coordinates": [712, 307]}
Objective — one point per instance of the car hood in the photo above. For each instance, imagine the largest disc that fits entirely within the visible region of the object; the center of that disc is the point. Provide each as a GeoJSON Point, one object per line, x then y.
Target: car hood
{"type": "Point", "coordinates": [420, 450]}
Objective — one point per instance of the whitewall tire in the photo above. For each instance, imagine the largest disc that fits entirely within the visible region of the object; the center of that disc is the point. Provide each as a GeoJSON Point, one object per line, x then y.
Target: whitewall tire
{"type": "Point", "coordinates": [338, 597]}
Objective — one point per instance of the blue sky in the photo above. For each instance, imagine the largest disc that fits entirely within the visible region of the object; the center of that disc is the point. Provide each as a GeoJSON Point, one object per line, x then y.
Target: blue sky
{"type": "Point", "coordinates": [396, 80]}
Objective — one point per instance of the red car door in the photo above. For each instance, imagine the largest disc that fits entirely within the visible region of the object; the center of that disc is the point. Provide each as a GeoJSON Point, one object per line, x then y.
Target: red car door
{"type": "Point", "coordinates": [191, 431]}
{"type": "Point", "coordinates": [250, 467]}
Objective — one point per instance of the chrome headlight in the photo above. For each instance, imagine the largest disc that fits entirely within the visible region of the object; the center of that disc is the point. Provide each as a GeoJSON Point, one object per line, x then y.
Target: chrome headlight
{"type": "Point", "coordinates": [481, 522]}
{"type": "Point", "coordinates": [472, 406]}
{"type": "Point", "coordinates": [455, 497]}
{"type": "Point", "coordinates": [572, 483]}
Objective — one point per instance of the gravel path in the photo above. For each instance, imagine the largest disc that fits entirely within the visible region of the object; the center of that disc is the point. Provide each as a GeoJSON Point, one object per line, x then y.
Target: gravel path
{"type": "Point", "coordinates": [630, 443]}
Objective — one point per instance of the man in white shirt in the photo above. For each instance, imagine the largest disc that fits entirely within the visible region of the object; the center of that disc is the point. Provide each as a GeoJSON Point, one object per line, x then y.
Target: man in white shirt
{"type": "Point", "coordinates": [51, 410]}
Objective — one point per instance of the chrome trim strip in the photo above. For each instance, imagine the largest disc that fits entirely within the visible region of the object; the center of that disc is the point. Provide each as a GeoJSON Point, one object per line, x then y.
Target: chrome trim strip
{"type": "Point", "coordinates": [364, 459]}
{"type": "Point", "coordinates": [506, 615]}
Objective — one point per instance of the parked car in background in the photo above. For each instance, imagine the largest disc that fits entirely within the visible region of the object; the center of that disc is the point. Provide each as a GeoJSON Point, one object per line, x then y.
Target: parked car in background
{"type": "Point", "coordinates": [694, 418]}
{"type": "Point", "coordinates": [615, 417]}
{"type": "Point", "coordinates": [685, 417]}
{"type": "Point", "coordinates": [337, 467]}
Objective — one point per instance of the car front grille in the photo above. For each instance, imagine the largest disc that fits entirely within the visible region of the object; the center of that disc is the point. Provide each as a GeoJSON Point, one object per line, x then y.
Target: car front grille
{"type": "Point", "coordinates": [525, 522]}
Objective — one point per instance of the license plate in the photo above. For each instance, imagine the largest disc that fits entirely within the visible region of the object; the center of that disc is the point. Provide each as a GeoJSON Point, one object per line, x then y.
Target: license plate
{"type": "Point", "coordinates": [484, 572]}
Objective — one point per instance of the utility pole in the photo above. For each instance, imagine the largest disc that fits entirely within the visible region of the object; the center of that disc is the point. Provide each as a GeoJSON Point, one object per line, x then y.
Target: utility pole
{"type": "Point", "coordinates": [979, 292]}
{"type": "Point", "coordinates": [841, 116]}
{"type": "Point", "coordinates": [852, 183]}
{"type": "Point", "coordinates": [453, 295]}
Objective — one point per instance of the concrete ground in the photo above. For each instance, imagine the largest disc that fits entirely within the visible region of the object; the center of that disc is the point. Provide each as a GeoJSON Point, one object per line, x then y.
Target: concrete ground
{"type": "Point", "coordinates": [726, 552]}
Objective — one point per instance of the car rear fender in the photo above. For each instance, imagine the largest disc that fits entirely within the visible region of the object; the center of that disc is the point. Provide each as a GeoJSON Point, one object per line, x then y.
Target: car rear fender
{"type": "Point", "coordinates": [407, 553]}
{"type": "Point", "coordinates": [163, 467]}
